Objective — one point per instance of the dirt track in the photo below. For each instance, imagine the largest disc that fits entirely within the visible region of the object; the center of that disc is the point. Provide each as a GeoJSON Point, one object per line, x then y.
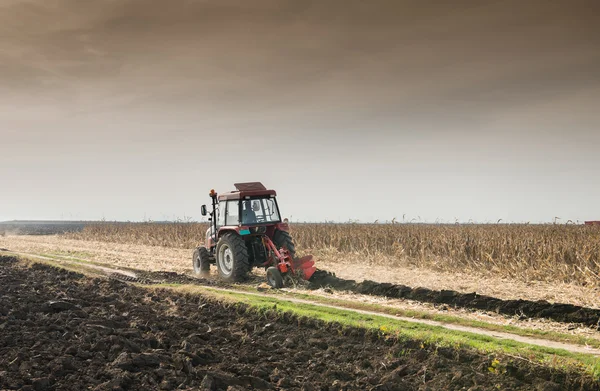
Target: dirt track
{"type": "Point", "coordinates": [567, 313]}
{"type": "Point", "coordinates": [61, 330]}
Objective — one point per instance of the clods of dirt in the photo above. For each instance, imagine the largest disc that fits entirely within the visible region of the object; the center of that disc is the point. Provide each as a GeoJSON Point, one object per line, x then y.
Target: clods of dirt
{"type": "Point", "coordinates": [62, 331]}
{"type": "Point", "coordinates": [263, 287]}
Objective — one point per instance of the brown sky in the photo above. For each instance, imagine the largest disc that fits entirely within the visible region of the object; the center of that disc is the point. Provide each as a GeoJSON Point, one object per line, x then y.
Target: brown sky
{"type": "Point", "coordinates": [467, 109]}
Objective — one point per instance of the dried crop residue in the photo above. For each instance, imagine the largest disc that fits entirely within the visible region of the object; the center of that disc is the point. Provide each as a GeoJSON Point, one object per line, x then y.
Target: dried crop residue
{"type": "Point", "coordinates": [61, 330]}
{"type": "Point", "coordinates": [113, 254]}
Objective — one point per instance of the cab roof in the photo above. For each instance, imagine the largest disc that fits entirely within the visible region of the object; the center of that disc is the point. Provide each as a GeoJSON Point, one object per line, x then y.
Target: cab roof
{"type": "Point", "coordinates": [247, 189]}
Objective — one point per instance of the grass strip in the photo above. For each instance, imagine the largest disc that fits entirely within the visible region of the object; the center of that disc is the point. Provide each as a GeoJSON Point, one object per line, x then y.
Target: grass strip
{"type": "Point", "coordinates": [68, 258]}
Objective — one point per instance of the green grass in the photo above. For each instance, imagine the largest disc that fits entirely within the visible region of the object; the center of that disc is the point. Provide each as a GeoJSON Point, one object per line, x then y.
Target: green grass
{"type": "Point", "coordinates": [73, 267]}
{"type": "Point", "coordinates": [75, 254]}
{"type": "Point", "coordinates": [70, 258]}
{"type": "Point", "coordinates": [82, 262]}
{"type": "Point", "coordinates": [427, 334]}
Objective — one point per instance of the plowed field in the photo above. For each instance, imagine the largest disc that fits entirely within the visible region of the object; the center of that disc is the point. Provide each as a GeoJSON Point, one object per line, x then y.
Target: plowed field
{"type": "Point", "coordinates": [63, 331]}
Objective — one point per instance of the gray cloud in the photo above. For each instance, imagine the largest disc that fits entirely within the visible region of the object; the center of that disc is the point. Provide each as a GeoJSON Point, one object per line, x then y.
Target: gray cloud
{"type": "Point", "coordinates": [241, 54]}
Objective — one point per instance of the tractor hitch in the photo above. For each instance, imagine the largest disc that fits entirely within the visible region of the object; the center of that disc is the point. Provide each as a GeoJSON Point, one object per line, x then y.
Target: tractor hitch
{"type": "Point", "coordinates": [282, 264]}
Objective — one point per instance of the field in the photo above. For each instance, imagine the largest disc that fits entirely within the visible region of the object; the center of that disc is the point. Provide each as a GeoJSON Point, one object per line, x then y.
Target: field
{"type": "Point", "coordinates": [408, 306]}
{"type": "Point", "coordinates": [553, 253]}
{"type": "Point", "coordinates": [62, 330]}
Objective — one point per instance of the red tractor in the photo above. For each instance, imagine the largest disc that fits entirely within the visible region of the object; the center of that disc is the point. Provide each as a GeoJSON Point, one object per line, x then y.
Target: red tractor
{"type": "Point", "coordinates": [247, 231]}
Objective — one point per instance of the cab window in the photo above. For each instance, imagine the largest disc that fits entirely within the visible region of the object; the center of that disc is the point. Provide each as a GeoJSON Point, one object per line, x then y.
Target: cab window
{"type": "Point", "coordinates": [259, 210]}
{"type": "Point", "coordinates": [233, 213]}
{"type": "Point", "coordinates": [221, 214]}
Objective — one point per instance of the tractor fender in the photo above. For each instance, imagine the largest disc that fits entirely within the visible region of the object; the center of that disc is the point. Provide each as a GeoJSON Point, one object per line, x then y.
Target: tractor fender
{"type": "Point", "coordinates": [229, 228]}
{"type": "Point", "coordinates": [283, 227]}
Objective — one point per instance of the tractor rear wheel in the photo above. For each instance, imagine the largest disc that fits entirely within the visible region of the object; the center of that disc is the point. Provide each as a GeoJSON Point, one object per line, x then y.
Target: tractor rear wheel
{"type": "Point", "coordinates": [284, 239]}
{"type": "Point", "coordinates": [201, 260]}
{"type": "Point", "coordinates": [232, 258]}
{"type": "Point", "coordinates": [274, 277]}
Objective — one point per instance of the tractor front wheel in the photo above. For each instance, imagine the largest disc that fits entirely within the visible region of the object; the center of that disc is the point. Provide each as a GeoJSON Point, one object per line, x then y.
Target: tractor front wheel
{"type": "Point", "coordinates": [201, 260]}
{"type": "Point", "coordinates": [232, 258]}
{"type": "Point", "coordinates": [274, 277]}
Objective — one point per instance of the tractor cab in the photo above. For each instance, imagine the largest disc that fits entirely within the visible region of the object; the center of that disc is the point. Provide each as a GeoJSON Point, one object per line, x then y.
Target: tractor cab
{"type": "Point", "coordinates": [250, 211]}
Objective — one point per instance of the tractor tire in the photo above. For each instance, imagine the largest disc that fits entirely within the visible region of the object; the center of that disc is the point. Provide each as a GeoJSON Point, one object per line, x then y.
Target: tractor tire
{"type": "Point", "coordinates": [274, 277]}
{"type": "Point", "coordinates": [284, 239]}
{"type": "Point", "coordinates": [232, 258]}
{"type": "Point", "coordinates": [201, 260]}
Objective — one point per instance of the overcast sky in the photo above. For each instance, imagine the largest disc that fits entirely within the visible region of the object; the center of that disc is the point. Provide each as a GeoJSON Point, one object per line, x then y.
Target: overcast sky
{"type": "Point", "coordinates": [438, 110]}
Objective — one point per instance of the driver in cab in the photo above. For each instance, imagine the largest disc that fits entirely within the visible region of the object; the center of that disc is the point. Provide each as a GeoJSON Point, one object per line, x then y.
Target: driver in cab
{"type": "Point", "coordinates": [248, 214]}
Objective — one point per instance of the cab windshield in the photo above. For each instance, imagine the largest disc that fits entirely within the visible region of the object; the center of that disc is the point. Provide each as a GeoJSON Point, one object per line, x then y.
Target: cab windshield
{"type": "Point", "coordinates": [259, 211]}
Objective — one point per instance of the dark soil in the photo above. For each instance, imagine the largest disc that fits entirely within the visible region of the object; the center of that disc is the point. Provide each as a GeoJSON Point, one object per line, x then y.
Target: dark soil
{"type": "Point", "coordinates": [63, 331]}
{"type": "Point", "coordinates": [566, 313]}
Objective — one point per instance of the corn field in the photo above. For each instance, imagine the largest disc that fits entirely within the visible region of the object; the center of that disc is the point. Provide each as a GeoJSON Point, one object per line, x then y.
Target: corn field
{"type": "Point", "coordinates": [553, 252]}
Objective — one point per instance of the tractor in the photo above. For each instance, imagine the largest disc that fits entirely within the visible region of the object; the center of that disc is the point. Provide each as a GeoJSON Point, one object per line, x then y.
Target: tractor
{"type": "Point", "coordinates": [246, 231]}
